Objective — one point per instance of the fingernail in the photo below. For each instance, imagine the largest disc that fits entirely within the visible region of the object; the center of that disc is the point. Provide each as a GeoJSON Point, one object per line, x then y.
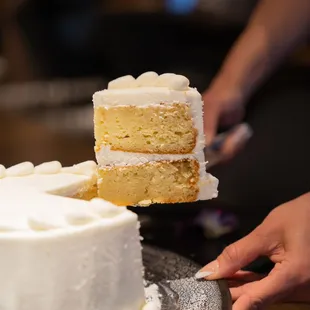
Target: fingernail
{"type": "Point", "coordinates": [208, 270]}
{"type": "Point", "coordinates": [203, 274]}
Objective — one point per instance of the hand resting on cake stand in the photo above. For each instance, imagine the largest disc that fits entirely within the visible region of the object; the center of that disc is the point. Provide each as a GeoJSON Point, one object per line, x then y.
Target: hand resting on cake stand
{"type": "Point", "coordinates": [284, 238]}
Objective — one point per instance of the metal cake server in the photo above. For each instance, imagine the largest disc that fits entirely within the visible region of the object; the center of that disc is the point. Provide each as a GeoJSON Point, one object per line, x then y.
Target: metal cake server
{"type": "Point", "coordinates": [241, 133]}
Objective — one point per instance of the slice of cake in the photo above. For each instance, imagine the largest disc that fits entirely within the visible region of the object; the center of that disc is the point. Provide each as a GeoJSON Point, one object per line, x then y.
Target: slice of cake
{"type": "Point", "coordinates": [150, 141]}
{"type": "Point", "coordinates": [60, 253]}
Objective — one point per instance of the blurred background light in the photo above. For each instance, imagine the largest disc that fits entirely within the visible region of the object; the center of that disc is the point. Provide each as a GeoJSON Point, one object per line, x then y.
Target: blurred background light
{"type": "Point", "coordinates": [181, 7]}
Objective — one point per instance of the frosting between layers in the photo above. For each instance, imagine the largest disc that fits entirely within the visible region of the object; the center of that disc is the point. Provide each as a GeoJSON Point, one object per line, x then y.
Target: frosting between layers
{"type": "Point", "coordinates": [107, 157]}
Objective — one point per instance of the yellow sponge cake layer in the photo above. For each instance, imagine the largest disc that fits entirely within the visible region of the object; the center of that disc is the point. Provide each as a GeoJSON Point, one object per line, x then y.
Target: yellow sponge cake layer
{"type": "Point", "coordinates": [151, 114]}
{"type": "Point", "coordinates": [161, 129]}
{"type": "Point", "coordinates": [152, 182]}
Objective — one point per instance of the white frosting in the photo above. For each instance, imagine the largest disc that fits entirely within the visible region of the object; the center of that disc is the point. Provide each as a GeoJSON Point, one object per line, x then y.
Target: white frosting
{"type": "Point", "coordinates": [147, 79]}
{"type": "Point", "coordinates": [21, 169]}
{"type": "Point", "coordinates": [152, 298]}
{"type": "Point", "coordinates": [86, 168]}
{"type": "Point", "coordinates": [173, 81]}
{"type": "Point", "coordinates": [127, 81]}
{"type": "Point", "coordinates": [48, 168]}
{"type": "Point", "coordinates": [107, 157]}
{"type": "Point", "coordinates": [51, 178]}
{"type": "Point", "coordinates": [108, 209]}
{"type": "Point", "coordinates": [61, 253]}
{"type": "Point", "coordinates": [2, 171]}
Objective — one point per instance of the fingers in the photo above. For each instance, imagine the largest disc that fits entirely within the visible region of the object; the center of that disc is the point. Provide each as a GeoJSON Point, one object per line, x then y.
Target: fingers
{"type": "Point", "coordinates": [211, 118]}
{"type": "Point", "coordinates": [246, 276]}
{"type": "Point", "coordinates": [259, 294]}
{"type": "Point", "coordinates": [236, 141]}
{"type": "Point", "coordinates": [241, 278]}
{"type": "Point", "coordinates": [234, 258]}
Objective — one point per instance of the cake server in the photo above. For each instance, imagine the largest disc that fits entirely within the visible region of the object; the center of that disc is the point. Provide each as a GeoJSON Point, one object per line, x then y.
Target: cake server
{"type": "Point", "coordinates": [239, 135]}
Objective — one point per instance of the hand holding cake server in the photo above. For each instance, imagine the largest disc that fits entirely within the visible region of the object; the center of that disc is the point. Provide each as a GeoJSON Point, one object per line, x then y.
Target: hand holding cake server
{"type": "Point", "coordinates": [273, 31]}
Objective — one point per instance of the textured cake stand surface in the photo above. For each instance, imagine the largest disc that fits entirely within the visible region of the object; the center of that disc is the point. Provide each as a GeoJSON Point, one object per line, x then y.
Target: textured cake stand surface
{"type": "Point", "coordinates": [174, 276]}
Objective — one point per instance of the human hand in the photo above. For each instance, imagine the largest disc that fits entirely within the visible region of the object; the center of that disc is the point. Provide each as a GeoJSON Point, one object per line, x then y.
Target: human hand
{"type": "Point", "coordinates": [224, 107]}
{"type": "Point", "coordinates": [284, 237]}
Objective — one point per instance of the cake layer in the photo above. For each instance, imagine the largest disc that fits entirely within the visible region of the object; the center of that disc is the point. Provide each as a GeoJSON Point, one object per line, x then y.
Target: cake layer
{"type": "Point", "coordinates": [171, 121]}
{"type": "Point", "coordinates": [155, 182]}
{"type": "Point", "coordinates": [161, 129]}
{"type": "Point", "coordinates": [61, 253]}
{"type": "Point", "coordinates": [78, 181]}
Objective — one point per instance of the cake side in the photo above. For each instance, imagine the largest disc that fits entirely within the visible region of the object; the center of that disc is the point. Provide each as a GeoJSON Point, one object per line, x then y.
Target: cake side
{"type": "Point", "coordinates": [152, 182]}
{"type": "Point", "coordinates": [88, 254]}
{"type": "Point", "coordinates": [160, 129]}
{"type": "Point", "coordinates": [116, 162]}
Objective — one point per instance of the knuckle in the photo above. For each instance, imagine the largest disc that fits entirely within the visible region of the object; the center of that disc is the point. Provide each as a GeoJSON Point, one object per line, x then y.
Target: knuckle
{"type": "Point", "coordinates": [231, 255]}
{"type": "Point", "coordinates": [256, 303]}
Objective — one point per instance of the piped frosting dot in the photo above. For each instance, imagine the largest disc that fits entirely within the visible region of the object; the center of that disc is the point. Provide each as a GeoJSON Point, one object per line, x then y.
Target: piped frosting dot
{"type": "Point", "coordinates": [2, 171]}
{"type": "Point", "coordinates": [88, 168]}
{"type": "Point", "coordinates": [80, 218]}
{"type": "Point", "coordinates": [151, 79]}
{"type": "Point", "coordinates": [48, 168]}
{"type": "Point", "coordinates": [147, 79]}
{"type": "Point", "coordinates": [105, 209]}
{"type": "Point", "coordinates": [179, 82]}
{"type": "Point", "coordinates": [173, 81]}
{"type": "Point", "coordinates": [126, 81]}
{"type": "Point", "coordinates": [41, 222]}
{"type": "Point", "coordinates": [21, 169]}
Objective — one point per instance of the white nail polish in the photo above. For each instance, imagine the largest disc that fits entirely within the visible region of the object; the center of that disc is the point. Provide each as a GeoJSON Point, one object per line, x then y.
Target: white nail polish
{"type": "Point", "coordinates": [203, 274]}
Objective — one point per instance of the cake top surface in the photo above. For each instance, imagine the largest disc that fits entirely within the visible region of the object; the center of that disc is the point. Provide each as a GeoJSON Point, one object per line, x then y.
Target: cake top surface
{"type": "Point", "coordinates": [151, 79]}
{"type": "Point", "coordinates": [148, 88]}
{"type": "Point", "coordinates": [28, 212]}
{"type": "Point", "coordinates": [30, 205]}
{"type": "Point", "coordinates": [49, 177]}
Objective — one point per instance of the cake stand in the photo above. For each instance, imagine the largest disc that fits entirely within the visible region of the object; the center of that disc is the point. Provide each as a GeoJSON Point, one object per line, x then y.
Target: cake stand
{"type": "Point", "coordinates": [179, 290]}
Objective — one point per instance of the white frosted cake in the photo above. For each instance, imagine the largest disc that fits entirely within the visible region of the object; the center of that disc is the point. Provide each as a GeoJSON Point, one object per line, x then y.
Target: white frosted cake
{"type": "Point", "coordinates": [150, 141]}
{"type": "Point", "coordinates": [60, 253]}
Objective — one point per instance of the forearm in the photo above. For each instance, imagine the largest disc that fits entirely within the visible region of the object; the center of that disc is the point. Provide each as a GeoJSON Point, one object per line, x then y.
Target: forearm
{"type": "Point", "coordinates": [274, 30]}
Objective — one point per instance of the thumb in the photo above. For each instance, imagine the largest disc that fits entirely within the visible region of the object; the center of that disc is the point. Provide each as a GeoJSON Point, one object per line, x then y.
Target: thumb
{"type": "Point", "coordinates": [211, 118]}
{"type": "Point", "coordinates": [234, 258]}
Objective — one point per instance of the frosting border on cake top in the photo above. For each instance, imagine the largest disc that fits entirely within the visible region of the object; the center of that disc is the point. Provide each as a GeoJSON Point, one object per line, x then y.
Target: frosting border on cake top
{"type": "Point", "coordinates": [51, 177]}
